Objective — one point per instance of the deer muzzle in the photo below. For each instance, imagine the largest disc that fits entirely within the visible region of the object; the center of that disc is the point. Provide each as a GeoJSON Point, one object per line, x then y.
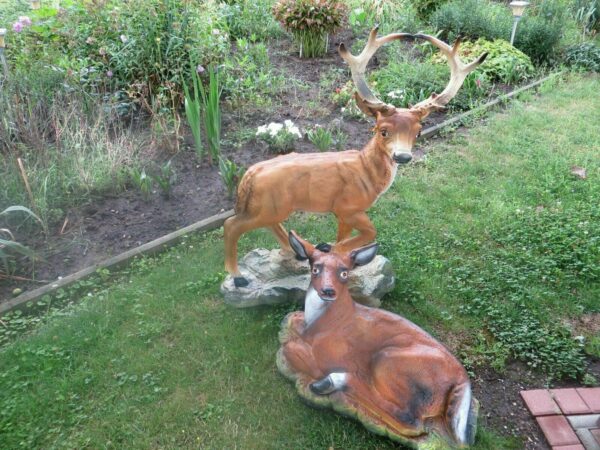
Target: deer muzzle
{"type": "Point", "coordinates": [402, 157]}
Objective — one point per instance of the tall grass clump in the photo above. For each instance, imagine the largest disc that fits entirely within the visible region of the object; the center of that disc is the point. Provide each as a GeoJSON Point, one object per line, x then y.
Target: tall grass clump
{"type": "Point", "coordinates": [211, 113]}
{"type": "Point", "coordinates": [10, 249]}
{"type": "Point", "coordinates": [193, 110]}
{"type": "Point", "coordinates": [71, 147]}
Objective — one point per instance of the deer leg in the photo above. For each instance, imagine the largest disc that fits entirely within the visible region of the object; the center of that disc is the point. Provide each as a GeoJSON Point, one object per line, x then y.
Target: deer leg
{"type": "Point", "coordinates": [366, 233]}
{"type": "Point", "coordinates": [282, 237]}
{"type": "Point", "coordinates": [344, 231]}
{"type": "Point", "coordinates": [300, 358]}
{"type": "Point", "coordinates": [234, 227]}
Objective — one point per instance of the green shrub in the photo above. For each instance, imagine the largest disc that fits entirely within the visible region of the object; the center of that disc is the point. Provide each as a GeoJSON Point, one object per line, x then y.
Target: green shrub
{"type": "Point", "coordinates": [310, 21]}
{"type": "Point", "coordinates": [504, 63]}
{"type": "Point", "coordinates": [473, 19]}
{"type": "Point", "coordinates": [391, 16]}
{"type": "Point", "coordinates": [584, 56]}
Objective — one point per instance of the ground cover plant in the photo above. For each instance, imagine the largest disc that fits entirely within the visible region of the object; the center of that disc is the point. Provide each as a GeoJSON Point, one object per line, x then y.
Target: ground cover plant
{"type": "Point", "coordinates": [495, 245]}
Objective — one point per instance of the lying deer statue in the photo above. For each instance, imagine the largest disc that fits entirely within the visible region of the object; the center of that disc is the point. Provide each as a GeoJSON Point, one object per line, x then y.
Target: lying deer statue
{"type": "Point", "coordinates": [344, 183]}
{"type": "Point", "coordinates": [369, 363]}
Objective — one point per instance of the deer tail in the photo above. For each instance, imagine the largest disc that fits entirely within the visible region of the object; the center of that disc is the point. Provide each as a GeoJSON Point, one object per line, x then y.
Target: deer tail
{"type": "Point", "coordinates": [462, 414]}
{"type": "Point", "coordinates": [244, 191]}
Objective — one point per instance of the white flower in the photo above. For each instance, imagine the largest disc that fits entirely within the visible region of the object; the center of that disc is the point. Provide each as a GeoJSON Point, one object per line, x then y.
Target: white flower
{"type": "Point", "coordinates": [295, 130]}
{"type": "Point", "coordinates": [275, 128]}
{"type": "Point", "coordinates": [216, 31]}
{"type": "Point", "coordinates": [289, 123]}
{"type": "Point", "coordinates": [261, 130]}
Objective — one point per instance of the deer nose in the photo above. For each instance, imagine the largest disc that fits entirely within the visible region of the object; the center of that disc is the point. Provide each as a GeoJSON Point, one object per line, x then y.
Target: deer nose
{"type": "Point", "coordinates": [328, 292]}
{"type": "Point", "coordinates": [402, 158]}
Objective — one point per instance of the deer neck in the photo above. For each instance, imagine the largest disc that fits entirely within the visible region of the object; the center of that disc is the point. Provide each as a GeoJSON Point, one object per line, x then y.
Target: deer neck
{"type": "Point", "coordinates": [320, 314]}
{"type": "Point", "coordinates": [379, 167]}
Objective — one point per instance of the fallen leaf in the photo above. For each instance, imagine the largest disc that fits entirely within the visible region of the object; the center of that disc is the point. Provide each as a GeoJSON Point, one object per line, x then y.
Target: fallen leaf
{"type": "Point", "coordinates": [579, 172]}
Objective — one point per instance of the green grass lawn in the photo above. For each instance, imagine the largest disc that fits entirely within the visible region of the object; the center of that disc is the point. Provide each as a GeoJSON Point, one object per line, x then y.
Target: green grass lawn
{"type": "Point", "coordinates": [494, 243]}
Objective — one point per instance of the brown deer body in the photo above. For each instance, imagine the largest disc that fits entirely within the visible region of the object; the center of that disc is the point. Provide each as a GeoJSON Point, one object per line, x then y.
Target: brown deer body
{"type": "Point", "coordinates": [344, 183]}
{"type": "Point", "coordinates": [369, 363]}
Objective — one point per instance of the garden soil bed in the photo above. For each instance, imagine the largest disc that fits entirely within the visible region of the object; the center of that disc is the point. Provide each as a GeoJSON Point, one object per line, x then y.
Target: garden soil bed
{"type": "Point", "coordinates": [115, 223]}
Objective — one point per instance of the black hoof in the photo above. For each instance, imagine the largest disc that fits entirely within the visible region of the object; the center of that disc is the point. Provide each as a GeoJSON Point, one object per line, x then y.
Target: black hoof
{"type": "Point", "coordinates": [322, 387]}
{"type": "Point", "coordinates": [240, 282]}
{"type": "Point", "coordinates": [324, 247]}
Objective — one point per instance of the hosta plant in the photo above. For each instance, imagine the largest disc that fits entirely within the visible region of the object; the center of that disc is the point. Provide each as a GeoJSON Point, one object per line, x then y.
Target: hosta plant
{"type": "Point", "coordinates": [310, 22]}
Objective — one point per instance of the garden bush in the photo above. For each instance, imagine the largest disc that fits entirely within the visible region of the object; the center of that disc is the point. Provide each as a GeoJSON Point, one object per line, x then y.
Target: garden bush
{"type": "Point", "coordinates": [584, 56]}
{"type": "Point", "coordinates": [425, 8]}
{"type": "Point", "coordinates": [538, 34]}
{"type": "Point", "coordinates": [504, 63]}
{"type": "Point", "coordinates": [391, 16]}
{"type": "Point", "coordinates": [587, 13]}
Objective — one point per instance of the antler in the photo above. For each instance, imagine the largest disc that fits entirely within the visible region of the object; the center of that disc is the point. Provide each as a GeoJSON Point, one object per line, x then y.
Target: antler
{"type": "Point", "coordinates": [358, 64]}
{"type": "Point", "coordinates": [458, 73]}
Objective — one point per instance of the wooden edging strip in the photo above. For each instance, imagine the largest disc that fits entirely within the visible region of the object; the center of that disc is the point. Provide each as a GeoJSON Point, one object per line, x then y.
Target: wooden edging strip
{"type": "Point", "coordinates": [212, 222]}
{"type": "Point", "coordinates": [149, 248]}
{"type": "Point", "coordinates": [431, 131]}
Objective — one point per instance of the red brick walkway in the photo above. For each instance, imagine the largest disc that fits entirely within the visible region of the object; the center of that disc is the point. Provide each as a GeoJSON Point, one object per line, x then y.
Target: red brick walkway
{"type": "Point", "coordinates": [569, 418]}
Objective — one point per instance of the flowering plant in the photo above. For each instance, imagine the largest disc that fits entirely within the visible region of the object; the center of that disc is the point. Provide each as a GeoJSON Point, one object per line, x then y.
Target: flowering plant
{"type": "Point", "coordinates": [279, 136]}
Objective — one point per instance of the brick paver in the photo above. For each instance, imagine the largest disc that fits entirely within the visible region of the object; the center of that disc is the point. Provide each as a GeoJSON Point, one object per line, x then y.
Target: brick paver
{"type": "Point", "coordinates": [540, 403]}
{"type": "Point", "coordinates": [591, 396]}
{"type": "Point", "coordinates": [557, 430]}
{"type": "Point", "coordinates": [596, 434]}
{"type": "Point", "coordinates": [569, 447]}
{"type": "Point", "coordinates": [569, 401]}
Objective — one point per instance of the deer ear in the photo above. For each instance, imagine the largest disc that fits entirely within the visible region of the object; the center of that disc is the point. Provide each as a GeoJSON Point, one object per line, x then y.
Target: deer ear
{"type": "Point", "coordinates": [302, 248]}
{"type": "Point", "coordinates": [364, 255]}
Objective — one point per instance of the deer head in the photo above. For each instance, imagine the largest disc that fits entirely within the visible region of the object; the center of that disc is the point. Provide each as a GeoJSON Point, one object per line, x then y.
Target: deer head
{"type": "Point", "coordinates": [330, 270]}
{"type": "Point", "coordinates": [396, 129]}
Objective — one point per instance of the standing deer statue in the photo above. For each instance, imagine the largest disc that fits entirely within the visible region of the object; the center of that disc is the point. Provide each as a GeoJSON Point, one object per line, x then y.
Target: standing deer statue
{"type": "Point", "coordinates": [345, 183]}
{"type": "Point", "coordinates": [370, 364]}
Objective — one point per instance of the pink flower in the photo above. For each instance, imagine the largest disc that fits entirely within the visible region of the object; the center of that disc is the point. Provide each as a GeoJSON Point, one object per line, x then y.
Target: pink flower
{"type": "Point", "coordinates": [478, 82]}
{"type": "Point", "coordinates": [90, 40]}
{"type": "Point", "coordinates": [25, 21]}
{"type": "Point", "coordinates": [102, 51]}
{"type": "Point", "coordinates": [109, 74]}
{"type": "Point", "coordinates": [199, 68]}
{"type": "Point", "coordinates": [17, 27]}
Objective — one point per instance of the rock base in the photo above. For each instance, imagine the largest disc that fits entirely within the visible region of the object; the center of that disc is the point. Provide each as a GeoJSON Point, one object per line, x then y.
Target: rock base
{"type": "Point", "coordinates": [277, 278]}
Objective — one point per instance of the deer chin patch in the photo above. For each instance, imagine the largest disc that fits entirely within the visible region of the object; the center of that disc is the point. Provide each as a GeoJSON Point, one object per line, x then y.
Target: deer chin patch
{"type": "Point", "coordinates": [314, 306]}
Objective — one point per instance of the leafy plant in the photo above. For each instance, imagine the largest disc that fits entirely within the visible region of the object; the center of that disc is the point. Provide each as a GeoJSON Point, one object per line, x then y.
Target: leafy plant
{"type": "Point", "coordinates": [9, 247]}
{"type": "Point", "coordinates": [165, 178]}
{"type": "Point", "coordinates": [310, 22]}
{"type": "Point", "coordinates": [231, 174]}
{"type": "Point", "coordinates": [142, 181]}
{"type": "Point", "coordinates": [321, 138]}
{"type": "Point", "coordinates": [250, 18]}
{"type": "Point", "coordinates": [193, 111]}
{"type": "Point", "coordinates": [584, 56]}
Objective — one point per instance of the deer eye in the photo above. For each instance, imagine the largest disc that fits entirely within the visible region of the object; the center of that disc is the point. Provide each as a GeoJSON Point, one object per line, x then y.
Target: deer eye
{"type": "Point", "coordinates": [315, 271]}
{"type": "Point", "coordinates": [384, 133]}
{"type": "Point", "coordinates": [344, 274]}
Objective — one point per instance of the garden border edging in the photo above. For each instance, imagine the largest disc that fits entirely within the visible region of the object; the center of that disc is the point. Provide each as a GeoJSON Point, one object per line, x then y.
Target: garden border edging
{"type": "Point", "coordinates": [215, 221]}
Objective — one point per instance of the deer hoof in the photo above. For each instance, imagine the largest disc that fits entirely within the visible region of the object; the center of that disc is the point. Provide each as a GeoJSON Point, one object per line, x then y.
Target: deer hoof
{"type": "Point", "coordinates": [323, 386]}
{"type": "Point", "coordinates": [240, 282]}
